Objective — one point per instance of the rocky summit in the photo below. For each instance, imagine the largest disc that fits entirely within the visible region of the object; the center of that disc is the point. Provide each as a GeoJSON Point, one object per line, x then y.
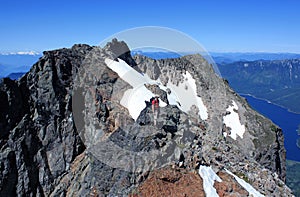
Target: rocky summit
{"type": "Point", "coordinates": [81, 123]}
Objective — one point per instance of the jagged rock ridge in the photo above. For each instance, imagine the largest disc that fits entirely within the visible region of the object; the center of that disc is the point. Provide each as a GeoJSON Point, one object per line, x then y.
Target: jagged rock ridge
{"type": "Point", "coordinates": [54, 135]}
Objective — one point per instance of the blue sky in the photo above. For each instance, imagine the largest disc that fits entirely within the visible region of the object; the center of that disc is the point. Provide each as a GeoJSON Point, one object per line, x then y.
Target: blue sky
{"type": "Point", "coordinates": [219, 25]}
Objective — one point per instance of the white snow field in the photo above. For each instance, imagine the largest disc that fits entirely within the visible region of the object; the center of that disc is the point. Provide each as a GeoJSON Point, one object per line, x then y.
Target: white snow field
{"type": "Point", "coordinates": [232, 120]}
{"type": "Point", "coordinates": [134, 99]}
{"type": "Point", "coordinates": [186, 93]}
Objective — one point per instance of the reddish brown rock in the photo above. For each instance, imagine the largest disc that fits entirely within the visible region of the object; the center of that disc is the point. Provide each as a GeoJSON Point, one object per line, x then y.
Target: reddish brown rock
{"type": "Point", "coordinates": [171, 182]}
{"type": "Point", "coordinates": [229, 187]}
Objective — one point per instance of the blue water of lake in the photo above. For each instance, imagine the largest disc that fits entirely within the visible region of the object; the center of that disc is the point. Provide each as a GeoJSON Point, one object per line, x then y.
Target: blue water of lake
{"type": "Point", "coordinates": [285, 119]}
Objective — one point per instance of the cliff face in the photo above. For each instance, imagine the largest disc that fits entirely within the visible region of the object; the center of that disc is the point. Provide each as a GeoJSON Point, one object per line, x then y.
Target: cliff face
{"type": "Point", "coordinates": [38, 141]}
{"type": "Point", "coordinates": [67, 128]}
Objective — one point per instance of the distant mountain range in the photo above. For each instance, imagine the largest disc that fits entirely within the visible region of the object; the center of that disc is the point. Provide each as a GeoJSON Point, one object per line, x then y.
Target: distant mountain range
{"type": "Point", "coordinates": [17, 62]}
{"type": "Point", "coordinates": [275, 80]}
{"type": "Point", "coordinates": [15, 76]}
{"type": "Point", "coordinates": [22, 61]}
{"type": "Point", "coordinates": [234, 57]}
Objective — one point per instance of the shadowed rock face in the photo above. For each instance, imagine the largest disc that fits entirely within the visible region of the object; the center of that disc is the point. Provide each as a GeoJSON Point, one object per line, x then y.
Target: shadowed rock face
{"type": "Point", "coordinates": [59, 138]}
{"type": "Point", "coordinates": [38, 142]}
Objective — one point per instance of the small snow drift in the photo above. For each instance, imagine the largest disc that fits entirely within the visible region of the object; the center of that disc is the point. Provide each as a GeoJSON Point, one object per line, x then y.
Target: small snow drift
{"type": "Point", "coordinates": [232, 120]}
{"type": "Point", "coordinates": [209, 177]}
{"type": "Point", "coordinates": [246, 185]}
{"type": "Point", "coordinates": [184, 96]}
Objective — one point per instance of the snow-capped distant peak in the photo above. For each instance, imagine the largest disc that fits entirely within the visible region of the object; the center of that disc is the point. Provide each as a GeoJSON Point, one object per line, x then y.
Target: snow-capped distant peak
{"type": "Point", "coordinates": [22, 53]}
{"type": "Point", "coordinates": [27, 53]}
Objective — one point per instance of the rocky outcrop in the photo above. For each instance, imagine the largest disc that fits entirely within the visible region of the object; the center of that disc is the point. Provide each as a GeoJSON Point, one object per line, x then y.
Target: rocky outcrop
{"type": "Point", "coordinates": [65, 130]}
{"type": "Point", "coordinates": [13, 106]}
{"type": "Point", "coordinates": [229, 186]}
{"type": "Point", "coordinates": [170, 182]}
{"type": "Point", "coordinates": [38, 138]}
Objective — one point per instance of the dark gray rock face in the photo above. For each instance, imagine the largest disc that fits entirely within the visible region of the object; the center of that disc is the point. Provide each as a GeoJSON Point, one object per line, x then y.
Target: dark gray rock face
{"type": "Point", "coordinates": [12, 106]}
{"type": "Point", "coordinates": [64, 131]}
{"type": "Point", "coordinates": [157, 91]}
{"type": "Point", "coordinates": [38, 139]}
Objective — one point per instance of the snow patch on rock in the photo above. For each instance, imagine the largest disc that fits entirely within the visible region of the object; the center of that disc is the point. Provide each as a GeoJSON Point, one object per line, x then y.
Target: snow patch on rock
{"type": "Point", "coordinates": [202, 108]}
{"type": "Point", "coordinates": [209, 177]}
{"type": "Point", "coordinates": [232, 120]}
{"type": "Point", "coordinates": [247, 186]}
{"type": "Point", "coordinates": [186, 92]}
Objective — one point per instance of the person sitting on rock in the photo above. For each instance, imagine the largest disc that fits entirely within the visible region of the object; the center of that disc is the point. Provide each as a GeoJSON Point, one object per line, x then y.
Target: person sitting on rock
{"type": "Point", "coordinates": [155, 109]}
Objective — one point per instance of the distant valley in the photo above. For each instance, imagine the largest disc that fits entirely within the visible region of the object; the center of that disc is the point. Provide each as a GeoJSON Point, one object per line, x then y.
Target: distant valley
{"type": "Point", "coordinates": [275, 80]}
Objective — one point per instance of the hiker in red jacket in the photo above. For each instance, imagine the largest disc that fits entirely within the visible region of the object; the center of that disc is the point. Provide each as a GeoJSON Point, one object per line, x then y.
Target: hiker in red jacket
{"type": "Point", "coordinates": [155, 109]}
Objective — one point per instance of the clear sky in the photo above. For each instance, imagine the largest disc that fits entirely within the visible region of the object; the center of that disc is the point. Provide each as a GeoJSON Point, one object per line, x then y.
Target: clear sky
{"type": "Point", "coordinates": [219, 25]}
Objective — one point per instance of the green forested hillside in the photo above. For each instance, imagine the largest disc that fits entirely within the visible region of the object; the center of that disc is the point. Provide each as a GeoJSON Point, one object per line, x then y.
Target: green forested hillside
{"type": "Point", "coordinates": [292, 176]}
{"type": "Point", "coordinates": [277, 81]}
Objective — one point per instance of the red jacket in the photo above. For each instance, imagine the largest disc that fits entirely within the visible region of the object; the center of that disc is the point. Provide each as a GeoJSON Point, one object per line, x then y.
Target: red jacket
{"type": "Point", "coordinates": [155, 103]}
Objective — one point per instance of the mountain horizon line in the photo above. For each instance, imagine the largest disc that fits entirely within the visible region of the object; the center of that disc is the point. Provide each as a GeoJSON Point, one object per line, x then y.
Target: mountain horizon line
{"type": "Point", "coordinates": [33, 52]}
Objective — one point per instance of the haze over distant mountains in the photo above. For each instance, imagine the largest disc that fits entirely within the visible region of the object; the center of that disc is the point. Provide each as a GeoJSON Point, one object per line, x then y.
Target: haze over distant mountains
{"type": "Point", "coordinates": [223, 57]}
{"type": "Point", "coordinates": [251, 56]}
{"type": "Point", "coordinates": [19, 62]}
